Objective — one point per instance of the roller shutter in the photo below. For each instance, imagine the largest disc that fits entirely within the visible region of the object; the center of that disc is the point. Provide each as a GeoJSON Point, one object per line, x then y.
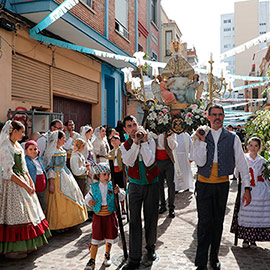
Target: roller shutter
{"type": "Point", "coordinates": [30, 81]}
{"type": "Point", "coordinates": [74, 87]}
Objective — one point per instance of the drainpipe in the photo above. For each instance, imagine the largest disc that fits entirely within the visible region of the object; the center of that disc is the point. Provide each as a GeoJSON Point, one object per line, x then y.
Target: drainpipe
{"type": "Point", "coordinates": [106, 19]}
{"type": "Point", "coordinates": [136, 25]}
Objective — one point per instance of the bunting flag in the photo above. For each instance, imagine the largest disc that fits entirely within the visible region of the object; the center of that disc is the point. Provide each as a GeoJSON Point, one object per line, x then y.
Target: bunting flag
{"type": "Point", "coordinates": [249, 86]}
{"type": "Point", "coordinates": [55, 15]}
{"type": "Point", "coordinates": [245, 46]}
{"type": "Point", "coordinates": [247, 78]}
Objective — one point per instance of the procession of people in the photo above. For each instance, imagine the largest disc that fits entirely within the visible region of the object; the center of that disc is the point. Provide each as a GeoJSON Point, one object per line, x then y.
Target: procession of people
{"type": "Point", "coordinates": [64, 178]}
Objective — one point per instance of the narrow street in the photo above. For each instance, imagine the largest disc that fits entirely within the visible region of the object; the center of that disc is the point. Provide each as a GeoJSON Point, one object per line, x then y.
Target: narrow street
{"type": "Point", "coordinates": [176, 245]}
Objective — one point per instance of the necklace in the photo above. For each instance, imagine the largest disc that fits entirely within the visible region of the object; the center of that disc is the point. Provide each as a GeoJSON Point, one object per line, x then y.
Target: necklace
{"type": "Point", "coordinates": [12, 141]}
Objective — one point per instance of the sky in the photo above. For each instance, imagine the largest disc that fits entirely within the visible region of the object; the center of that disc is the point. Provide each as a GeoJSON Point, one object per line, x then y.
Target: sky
{"type": "Point", "coordinates": [199, 22]}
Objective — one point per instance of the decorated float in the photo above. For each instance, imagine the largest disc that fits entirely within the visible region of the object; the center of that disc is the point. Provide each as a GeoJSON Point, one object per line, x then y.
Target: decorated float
{"type": "Point", "coordinates": [175, 103]}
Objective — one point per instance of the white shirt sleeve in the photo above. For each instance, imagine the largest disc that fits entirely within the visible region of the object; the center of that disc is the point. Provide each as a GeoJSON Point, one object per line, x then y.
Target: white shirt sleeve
{"type": "Point", "coordinates": [199, 152]}
{"type": "Point", "coordinates": [148, 152]}
{"type": "Point", "coordinates": [130, 156]}
{"type": "Point", "coordinates": [88, 197]}
{"type": "Point", "coordinates": [172, 142]}
{"type": "Point", "coordinates": [191, 149]}
{"type": "Point", "coordinates": [41, 142]}
{"type": "Point", "coordinates": [74, 165]}
{"type": "Point", "coordinates": [121, 194]}
{"type": "Point", "coordinates": [68, 144]}
{"type": "Point", "coordinates": [241, 162]}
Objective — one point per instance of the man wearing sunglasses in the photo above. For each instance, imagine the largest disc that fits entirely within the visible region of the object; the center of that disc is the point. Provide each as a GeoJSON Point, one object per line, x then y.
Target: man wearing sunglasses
{"type": "Point", "coordinates": [216, 155]}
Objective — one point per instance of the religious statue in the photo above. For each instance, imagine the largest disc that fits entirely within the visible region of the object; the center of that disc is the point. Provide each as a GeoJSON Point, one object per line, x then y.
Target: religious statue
{"type": "Point", "coordinates": [181, 79]}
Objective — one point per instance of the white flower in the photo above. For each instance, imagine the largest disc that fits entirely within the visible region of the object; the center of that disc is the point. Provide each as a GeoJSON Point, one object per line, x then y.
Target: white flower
{"type": "Point", "coordinates": [152, 116]}
{"type": "Point", "coordinates": [189, 121]}
{"type": "Point", "coordinates": [152, 125]}
{"type": "Point", "coordinates": [202, 119]}
{"type": "Point", "coordinates": [159, 107]}
{"type": "Point", "coordinates": [197, 116]}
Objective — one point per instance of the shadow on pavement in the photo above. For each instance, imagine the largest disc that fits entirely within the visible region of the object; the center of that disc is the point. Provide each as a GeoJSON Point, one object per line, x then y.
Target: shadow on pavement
{"type": "Point", "coordinates": [58, 240]}
{"type": "Point", "coordinates": [246, 259]}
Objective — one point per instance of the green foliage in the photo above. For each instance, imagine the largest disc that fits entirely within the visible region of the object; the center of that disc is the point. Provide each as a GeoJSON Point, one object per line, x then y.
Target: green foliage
{"type": "Point", "coordinates": [266, 170]}
{"type": "Point", "coordinates": [260, 127]}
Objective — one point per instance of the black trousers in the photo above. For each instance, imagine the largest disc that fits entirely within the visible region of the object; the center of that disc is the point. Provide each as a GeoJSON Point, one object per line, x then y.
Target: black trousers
{"type": "Point", "coordinates": [146, 196]}
{"type": "Point", "coordinates": [211, 206]}
{"type": "Point", "coordinates": [166, 171]}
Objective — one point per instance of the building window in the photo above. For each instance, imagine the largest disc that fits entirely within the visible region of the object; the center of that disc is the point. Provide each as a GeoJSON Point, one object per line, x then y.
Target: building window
{"type": "Point", "coordinates": [262, 23]}
{"type": "Point", "coordinates": [227, 46]}
{"type": "Point", "coordinates": [121, 17]}
{"type": "Point", "coordinates": [261, 33]}
{"type": "Point", "coordinates": [168, 40]}
{"type": "Point", "coordinates": [140, 48]}
{"type": "Point", "coordinates": [154, 56]}
{"type": "Point", "coordinates": [227, 21]}
{"type": "Point", "coordinates": [89, 3]}
{"type": "Point", "coordinates": [154, 11]}
{"type": "Point", "coordinates": [255, 93]}
{"type": "Point", "coordinates": [177, 38]}
{"type": "Point", "coordinates": [227, 29]}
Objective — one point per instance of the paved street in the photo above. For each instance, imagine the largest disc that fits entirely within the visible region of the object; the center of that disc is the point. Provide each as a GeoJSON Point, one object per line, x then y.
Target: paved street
{"type": "Point", "coordinates": [176, 245]}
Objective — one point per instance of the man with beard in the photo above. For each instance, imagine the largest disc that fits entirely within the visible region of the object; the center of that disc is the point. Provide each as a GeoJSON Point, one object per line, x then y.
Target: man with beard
{"type": "Point", "coordinates": [216, 155]}
{"type": "Point", "coordinates": [71, 136]}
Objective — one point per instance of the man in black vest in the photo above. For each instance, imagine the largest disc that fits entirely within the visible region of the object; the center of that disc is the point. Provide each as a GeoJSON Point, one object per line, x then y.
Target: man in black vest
{"type": "Point", "coordinates": [216, 155]}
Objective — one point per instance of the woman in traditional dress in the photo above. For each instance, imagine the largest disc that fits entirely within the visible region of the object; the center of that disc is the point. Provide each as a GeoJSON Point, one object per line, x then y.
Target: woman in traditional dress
{"type": "Point", "coordinates": [86, 133]}
{"type": "Point", "coordinates": [65, 202]}
{"type": "Point", "coordinates": [253, 221]}
{"type": "Point", "coordinates": [23, 227]}
{"type": "Point", "coordinates": [79, 167]}
{"type": "Point", "coordinates": [100, 144]}
{"type": "Point", "coordinates": [183, 155]}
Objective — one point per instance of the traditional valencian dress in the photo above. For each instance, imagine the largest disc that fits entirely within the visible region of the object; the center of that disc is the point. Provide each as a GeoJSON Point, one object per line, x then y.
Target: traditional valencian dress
{"type": "Point", "coordinates": [23, 226]}
{"type": "Point", "coordinates": [254, 219]}
{"type": "Point", "coordinates": [65, 207]}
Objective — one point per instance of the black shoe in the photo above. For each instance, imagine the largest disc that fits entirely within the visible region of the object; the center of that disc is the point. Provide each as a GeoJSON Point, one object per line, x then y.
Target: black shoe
{"type": "Point", "coordinates": [90, 265]}
{"type": "Point", "coordinates": [176, 192]}
{"type": "Point", "coordinates": [201, 268]}
{"type": "Point", "coordinates": [131, 266]}
{"type": "Point", "coordinates": [162, 209]}
{"type": "Point", "coordinates": [151, 256]}
{"type": "Point", "coordinates": [171, 213]}
{"type": "Point", "coordinates": [216, 265]}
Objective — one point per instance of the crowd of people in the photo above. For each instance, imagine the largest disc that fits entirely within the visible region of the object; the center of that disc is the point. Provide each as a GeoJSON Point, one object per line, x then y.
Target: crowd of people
{"type": "Point", "coordinates": [61, 178]}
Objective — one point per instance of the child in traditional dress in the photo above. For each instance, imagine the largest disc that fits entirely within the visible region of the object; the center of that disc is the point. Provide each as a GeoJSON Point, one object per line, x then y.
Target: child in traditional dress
{"type": "Point", "coordinates": [254, 219]}
{"type": "Point", "coordinates": [36, 170]}
{"type": "Point", "coordinates": [116, 155]}
{"type": "Point", "coordinates": [104, 226]}
{"type": "Point", "coordinates": [79, 167]}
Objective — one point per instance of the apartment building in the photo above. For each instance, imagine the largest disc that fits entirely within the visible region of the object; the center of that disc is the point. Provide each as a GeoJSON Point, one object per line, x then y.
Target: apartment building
{"type": "Point", "coordinates": [46, 77]}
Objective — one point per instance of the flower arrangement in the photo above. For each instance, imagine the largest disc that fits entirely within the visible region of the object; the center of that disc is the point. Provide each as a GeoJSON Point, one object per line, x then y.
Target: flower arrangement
{"type": "Point", "coordinates": [159, 119]}
{"type": "Point", "coordinates": [194, 116]}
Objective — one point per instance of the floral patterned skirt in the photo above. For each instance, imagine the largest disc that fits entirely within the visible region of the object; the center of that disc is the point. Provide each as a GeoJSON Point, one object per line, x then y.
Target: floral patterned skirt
{"type": "Point", "coordinates": [23, 226]}
{"type": "Point", "coordinates": [249, 234]}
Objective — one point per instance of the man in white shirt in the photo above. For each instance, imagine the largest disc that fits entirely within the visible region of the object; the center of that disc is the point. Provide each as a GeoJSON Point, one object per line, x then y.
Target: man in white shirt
{"type": "Point", "coordinates": [138, 153]}
{"type": "Point", "coordinates": [216, 155]}
{"type": "Point", "coordinates": [56, 124]}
